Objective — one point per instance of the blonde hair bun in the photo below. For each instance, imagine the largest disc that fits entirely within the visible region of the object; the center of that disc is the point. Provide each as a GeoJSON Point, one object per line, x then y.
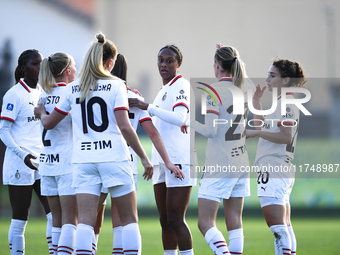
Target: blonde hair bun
{"type": "Point", "coordinates": [101, 38]}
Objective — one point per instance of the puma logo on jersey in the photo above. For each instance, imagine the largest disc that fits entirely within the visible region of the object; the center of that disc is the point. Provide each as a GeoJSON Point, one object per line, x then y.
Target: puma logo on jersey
{"type": "Point", "coordinates": [32, 103]}
{"type": "Point", "coordinates": [264, 188]}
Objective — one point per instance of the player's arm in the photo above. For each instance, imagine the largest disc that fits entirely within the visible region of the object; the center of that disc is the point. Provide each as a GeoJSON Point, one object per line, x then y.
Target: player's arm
{"type": "Point", "coordinates": [7, 139]}
{"type": "Point", "coordinates": [159, 145]}
{"type": "Point", "coordinates": [209, 129]}
{"type": "Point", "coordinates": [285, 136]}
{"type": "Point", "coordinates": [51, 120]}
{"type": "Point", "coordinates": [257, 103]}
{"type": "Point", "coordinates": [131, 138]}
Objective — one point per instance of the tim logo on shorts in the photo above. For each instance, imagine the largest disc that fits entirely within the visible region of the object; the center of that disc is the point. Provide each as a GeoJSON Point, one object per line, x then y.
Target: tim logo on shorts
{"type": "Point", "coordinates": [10, 107]}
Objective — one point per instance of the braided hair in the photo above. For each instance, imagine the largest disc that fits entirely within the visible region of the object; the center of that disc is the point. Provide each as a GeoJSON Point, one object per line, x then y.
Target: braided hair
{"type": "Point", "coordinates": [22, 61]}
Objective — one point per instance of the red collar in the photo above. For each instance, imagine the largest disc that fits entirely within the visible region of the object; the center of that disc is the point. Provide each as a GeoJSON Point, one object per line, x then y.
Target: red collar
{"type": "Point", "coordinates": [226, 79]}
{"type": "Point", "coordinates": [175, 79]}
{"type": "Point", "coordinates": [61, 84]}
{"type": "Point", "coordinates": [25, 85]}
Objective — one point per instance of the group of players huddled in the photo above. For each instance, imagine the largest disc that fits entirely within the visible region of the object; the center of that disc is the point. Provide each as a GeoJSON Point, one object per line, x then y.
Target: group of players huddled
{"type": "Point", "coordinates": [80, 133]}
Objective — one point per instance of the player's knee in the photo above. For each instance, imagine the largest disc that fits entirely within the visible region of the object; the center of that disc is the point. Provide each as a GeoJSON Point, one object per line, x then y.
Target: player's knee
{"type": "Point", "coordinates": [175, 221]}
{"type": "Point", "coordinates": [163, 219]}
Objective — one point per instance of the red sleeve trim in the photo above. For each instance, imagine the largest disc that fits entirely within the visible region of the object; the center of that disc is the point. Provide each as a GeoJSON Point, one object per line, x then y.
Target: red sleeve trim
{"type": "Point", "coordinates": [60, 111]}
{"type": "Point", "coordinates": [180, 104]}
{"type": "Point", "coordinates": [121, 108]}
{"type": "Point", "coordinates": [211, 111]}
{"type": "Point", "coordinates": [6, 118]}
{"type": "Point", "coordinates": [144, 119]}
{"type": "Point", "coordinates": [286, 123]}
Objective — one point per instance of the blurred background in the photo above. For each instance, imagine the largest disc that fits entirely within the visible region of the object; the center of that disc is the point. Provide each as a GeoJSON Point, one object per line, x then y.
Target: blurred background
{"type": "Point", "coordinates": [306, 31]}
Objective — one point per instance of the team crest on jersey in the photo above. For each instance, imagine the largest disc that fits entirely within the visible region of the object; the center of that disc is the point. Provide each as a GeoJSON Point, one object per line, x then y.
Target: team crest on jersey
{"type": "Point", "coordinates": [164, 96]}
{"type": "Point", "coordinates": [208, 97]}
{"type": "Point", "coordinates": [287, 109]}
{"type": "Point", "coordinates": [10, 107]}
{"type": "Point", "coordinates": [182, 91]}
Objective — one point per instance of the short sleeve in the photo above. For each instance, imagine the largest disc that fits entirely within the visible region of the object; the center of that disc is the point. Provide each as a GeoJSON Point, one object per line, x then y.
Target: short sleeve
{"type": "Point", "coordinates": [10, 106]}
{"type": "Point", "coordinates": [212, 106]}
{"type": "Point", "coordinates": [181, 95]}
{"type": "Point", "coordinates": [65, 105]}
{"type": "Point", "coordinates": [288, 119]}
{"type": "Point", "coordinates": [121, 99]}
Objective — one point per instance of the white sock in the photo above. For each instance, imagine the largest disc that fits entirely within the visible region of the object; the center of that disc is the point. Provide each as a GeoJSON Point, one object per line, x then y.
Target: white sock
{"type": "Point", "coordinates": [16, 236]}
{"type": "Point", "coordinates": [83, 240]}
{"type": "Point", "coordinates": [66, 240]}
{"type": "Point", "coordinates": [131, 239]}
{"type": "Point", "coordinates": [94, 243]}
{"type": "Point", "coordinates": [282, 239]}
{"type": "Point", "coordinates": [292, 239]}
{"type": "Point", "coordinates": [187, 252]}
{"type": "Point", "coordinates": [49, 232]}
{"type": "Point", "coordinates": [236, 240]}
{"type": "Point", "coordinates": [216, 241]}
{"type": "Point", "coordinates": [55, 239]}
{"type": "Point", "coordinates": [117, 241]}
{"type": "Point", "coordinates": [170, 252]}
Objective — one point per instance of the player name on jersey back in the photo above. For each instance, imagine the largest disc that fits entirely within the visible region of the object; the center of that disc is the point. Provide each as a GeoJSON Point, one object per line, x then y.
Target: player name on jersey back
{"type": "Point", "coordinates": [99, 87]}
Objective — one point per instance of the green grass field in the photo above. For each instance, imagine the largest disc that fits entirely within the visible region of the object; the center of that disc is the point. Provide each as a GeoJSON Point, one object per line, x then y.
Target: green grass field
{"type": "Point", "coordinates": [314, 236]}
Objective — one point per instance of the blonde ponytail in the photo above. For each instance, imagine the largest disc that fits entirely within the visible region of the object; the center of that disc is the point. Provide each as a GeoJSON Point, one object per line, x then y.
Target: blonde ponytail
{"type": "Point", "coordinates": [93, 66]}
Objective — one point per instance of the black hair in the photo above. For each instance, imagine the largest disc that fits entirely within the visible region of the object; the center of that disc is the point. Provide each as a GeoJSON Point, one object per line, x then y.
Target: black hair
{"type": "Point", "coordinates": [22, 61]}
{"type": "Point", "coordinates": [176, 50]}
{"type": "Point", "coordinates": [291, 69]}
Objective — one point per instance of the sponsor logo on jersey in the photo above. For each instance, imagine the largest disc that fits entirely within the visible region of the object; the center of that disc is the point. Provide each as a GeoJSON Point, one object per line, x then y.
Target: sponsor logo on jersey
{"type": "Point", "coordinates": [49, 158]}
{"type": "Point", "coordinates": [164, 96]}
{"type": "Point", "coordinates": [96, 145]}
{"type": "Point", "coordinates": [288, 115]}
{"type": "Point", "coordinates": [180, 97]}
{"type": "Point", "coordinates": [9, 107]}
{"type": "Point", "coordinates": [29, 119]}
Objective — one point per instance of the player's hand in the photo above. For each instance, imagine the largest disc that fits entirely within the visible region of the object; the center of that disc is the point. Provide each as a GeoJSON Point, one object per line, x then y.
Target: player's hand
{"type": "Point", "coordinates": [148, 168]}
{"type": "Point", "coordinates": [137, 92]}
{"type": "Point", "coordinates": [184, 128]}
{"type": "Point", "coordinates": [251, 133]}
{"type": "Point", "coordinates": [259, 91]}
{"type": "Point", "coordinates": [135, 102]}
{"type": "Point", "coordinates": [29, 163]}
{"type": "Point", "coordinates": [177, 172]}
{"type": "Point", "coordinates": [38, 110]}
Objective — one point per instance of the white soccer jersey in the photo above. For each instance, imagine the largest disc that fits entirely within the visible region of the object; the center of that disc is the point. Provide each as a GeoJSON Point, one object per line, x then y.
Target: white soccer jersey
{"type": "Point", "coordinates": [96, 135]}
{"type": "Point", "coordinates": [227, 147]}
{"type": "Point", "coordinates": [174, 93]}
{"type": "Point", "coordinates": [18, 106]}
{"type": "Point", "coordinates": [272, 124]}
{"type": "Point", "coordinates": [136, 116]}
{"type": "Point", "coordinates": [55, 157]}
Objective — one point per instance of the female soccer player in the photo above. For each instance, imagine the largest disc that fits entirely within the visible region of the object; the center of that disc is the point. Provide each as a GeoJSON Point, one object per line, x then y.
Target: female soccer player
{"type": "Point", "coordinates": [100, 123]}
{"type": "Point", "coordinates": [56, 71]}
{"type": "Point", "coordinates": [276, 149]}
{"type": "Point", "coordinates": [170, 109]}
{"type": "Point", "coordinates": [136, 116]}
{"type": "Point", "coordinates": [225, 148]}
{"type": "Point", "coordinates": [20, 132]}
